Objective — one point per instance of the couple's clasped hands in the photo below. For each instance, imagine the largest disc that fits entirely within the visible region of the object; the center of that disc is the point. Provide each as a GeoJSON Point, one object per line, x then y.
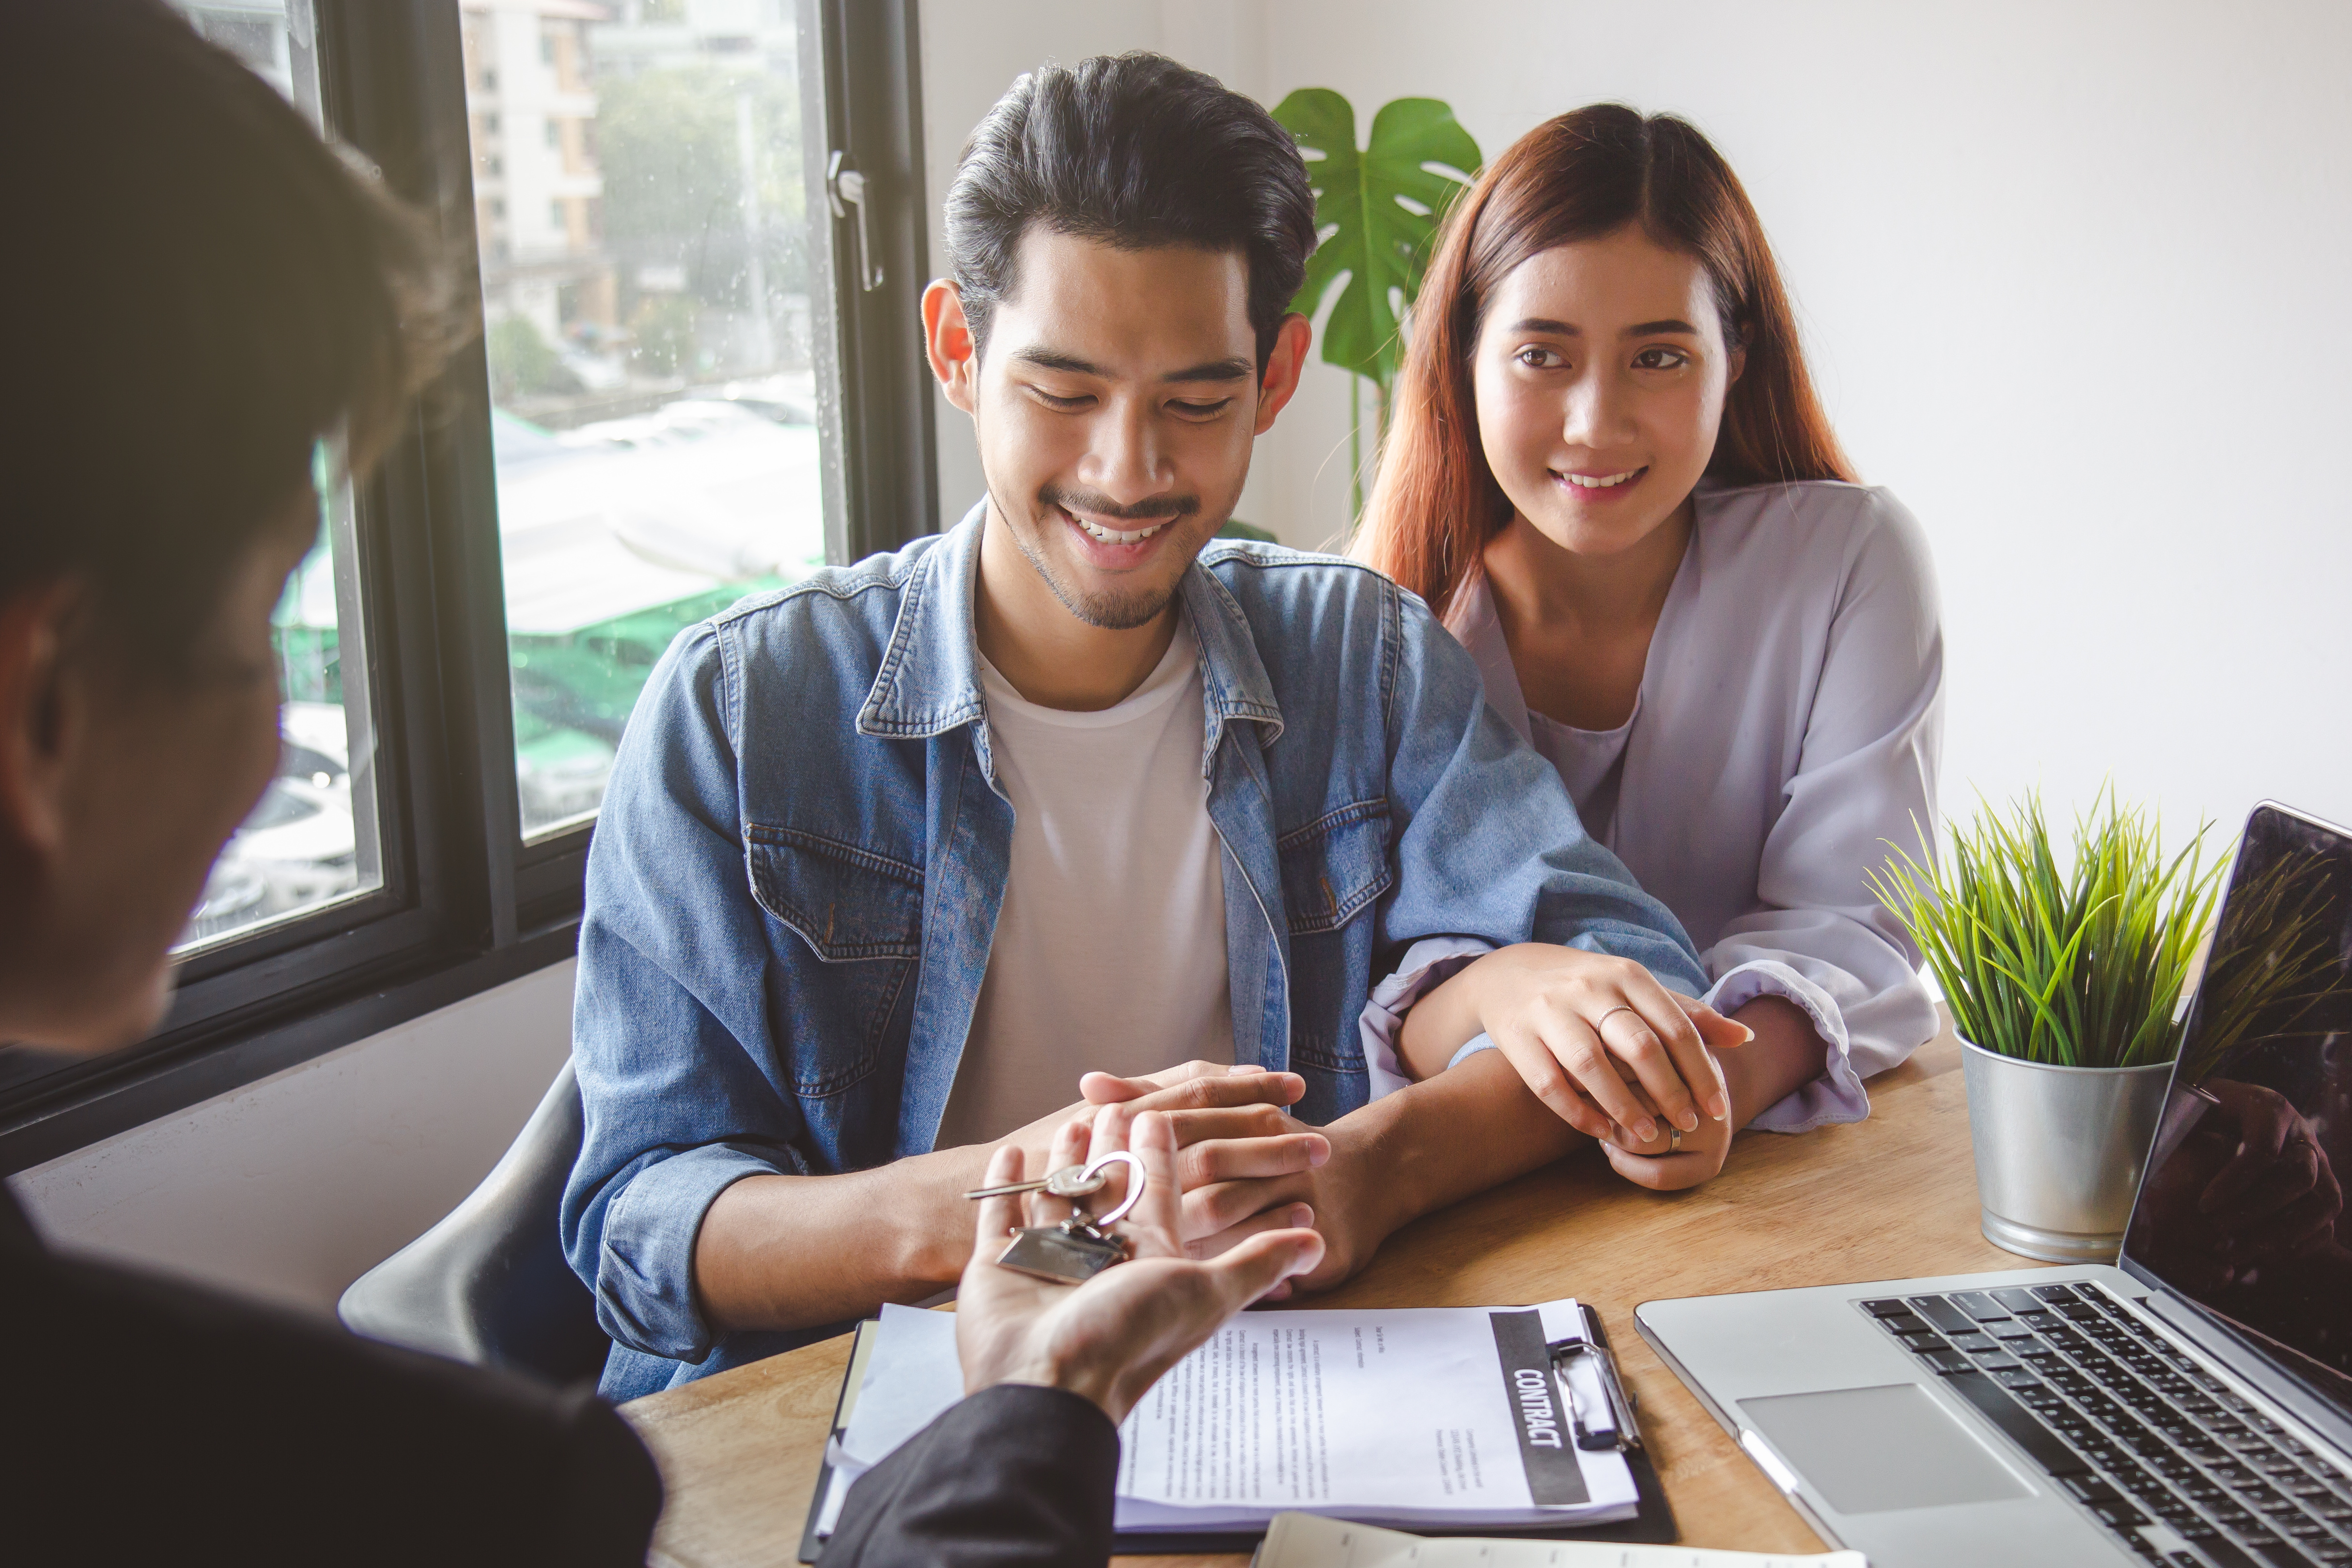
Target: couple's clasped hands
{"type": "Point", "coordinates": [1609, 1052]}
{"type": "Point", "coordinates": [1241, 1204]}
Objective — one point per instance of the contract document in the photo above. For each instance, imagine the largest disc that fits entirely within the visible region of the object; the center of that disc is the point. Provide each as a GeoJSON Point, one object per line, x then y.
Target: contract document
{"type": "Point", "coordinates": [1444, 1418]}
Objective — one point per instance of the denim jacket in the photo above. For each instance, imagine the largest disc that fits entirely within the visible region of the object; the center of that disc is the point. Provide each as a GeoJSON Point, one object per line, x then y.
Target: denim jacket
{"type": "Point", "coordinates": [803, 849]}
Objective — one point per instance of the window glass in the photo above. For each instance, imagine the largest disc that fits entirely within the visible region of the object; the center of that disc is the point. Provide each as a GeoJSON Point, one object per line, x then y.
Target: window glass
{"type": "Point", "coordinates": [313, 839]}
{"type": "Point", "coordinates": [644, 242]}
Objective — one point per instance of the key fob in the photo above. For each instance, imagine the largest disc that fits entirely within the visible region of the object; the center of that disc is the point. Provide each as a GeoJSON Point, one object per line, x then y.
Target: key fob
{"type": "Point", "coordinates": [1067, 1252]}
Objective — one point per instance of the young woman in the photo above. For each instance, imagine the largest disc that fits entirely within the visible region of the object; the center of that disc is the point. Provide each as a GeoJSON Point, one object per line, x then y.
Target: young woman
{"type": "Point", "coordinates": [1609, 473]}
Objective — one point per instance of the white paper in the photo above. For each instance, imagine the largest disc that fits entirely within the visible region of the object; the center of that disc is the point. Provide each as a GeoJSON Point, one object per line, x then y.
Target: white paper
{"type": "Point", "coordinates": [912, 1379]}
{"type": "Point", "coordinates": [1309, 1540]}
{"type": "Point", "coordinates": [1402, 1415]}
{"type": "Point", "coordinates": [1398, 1414]}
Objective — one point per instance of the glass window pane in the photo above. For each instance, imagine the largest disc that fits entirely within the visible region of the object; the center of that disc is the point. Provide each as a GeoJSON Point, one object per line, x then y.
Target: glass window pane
{"type": "Point", "coordinates": [645, 243]}
{"type": "Point", "coordinates": [313, 839]}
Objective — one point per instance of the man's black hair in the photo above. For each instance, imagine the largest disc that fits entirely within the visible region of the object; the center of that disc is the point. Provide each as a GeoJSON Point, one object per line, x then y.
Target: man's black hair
{"type": "Point", "coordinates": [198, 290]}
{"type": "Point", "coordinates": [1132, 151]}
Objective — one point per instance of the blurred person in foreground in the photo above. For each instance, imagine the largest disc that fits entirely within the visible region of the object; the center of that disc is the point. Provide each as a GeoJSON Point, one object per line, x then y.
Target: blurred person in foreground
{"type": "Point", "coordinates": [204, 293]}
{"type": "Point", "coordinates": [208, 292]}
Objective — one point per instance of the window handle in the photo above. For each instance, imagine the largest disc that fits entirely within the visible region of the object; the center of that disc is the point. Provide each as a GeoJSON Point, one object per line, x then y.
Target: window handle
{"type": "Point", "coordinates": [845, 188]}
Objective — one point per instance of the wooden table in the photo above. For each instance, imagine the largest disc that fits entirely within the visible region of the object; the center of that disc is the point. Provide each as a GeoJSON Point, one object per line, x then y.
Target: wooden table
{"type": "Point", "coordinates": [1885, 1199]}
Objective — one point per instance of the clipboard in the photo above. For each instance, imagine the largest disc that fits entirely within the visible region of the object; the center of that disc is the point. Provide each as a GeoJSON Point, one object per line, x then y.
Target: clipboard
{"type": "Point", "coordinates": [1653, 1523]}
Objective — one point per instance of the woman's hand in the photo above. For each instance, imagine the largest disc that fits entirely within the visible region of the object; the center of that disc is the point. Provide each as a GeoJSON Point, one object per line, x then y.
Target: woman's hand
{"type": "Point", "coordinates": [1110, 1339]}
{"type": "Point", "coordinates": [1668, 1164]}
{"type": "Point", "coordinates": [1569, 1021]}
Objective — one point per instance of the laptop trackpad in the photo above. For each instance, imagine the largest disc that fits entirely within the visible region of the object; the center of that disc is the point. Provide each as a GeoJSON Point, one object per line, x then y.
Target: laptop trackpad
{"type": "Point", "coordinates": [1870, 1450]}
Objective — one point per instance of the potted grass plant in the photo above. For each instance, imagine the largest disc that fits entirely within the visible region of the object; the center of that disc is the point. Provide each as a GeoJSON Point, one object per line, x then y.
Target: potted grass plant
{"type": "Point", "coordinates": [2065, 980]}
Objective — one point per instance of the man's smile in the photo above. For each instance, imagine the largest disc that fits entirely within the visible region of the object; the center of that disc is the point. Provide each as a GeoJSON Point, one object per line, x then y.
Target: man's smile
{"type": "Point", "coordinates": [1104, 533]}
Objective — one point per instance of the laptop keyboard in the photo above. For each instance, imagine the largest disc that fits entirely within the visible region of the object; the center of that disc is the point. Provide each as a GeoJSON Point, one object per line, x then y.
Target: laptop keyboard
{"type": "Point", "coordinates": [2177, 1466]}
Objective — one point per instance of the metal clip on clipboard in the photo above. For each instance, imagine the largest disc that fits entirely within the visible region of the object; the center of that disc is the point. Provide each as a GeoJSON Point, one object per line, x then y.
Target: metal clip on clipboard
{"type": "Point", "coordinates": [1621, 1431]}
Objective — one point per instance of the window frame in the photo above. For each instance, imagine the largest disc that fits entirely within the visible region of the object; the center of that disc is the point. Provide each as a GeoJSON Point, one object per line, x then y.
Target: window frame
{"type": "Point", "coordinates": [465, 903]}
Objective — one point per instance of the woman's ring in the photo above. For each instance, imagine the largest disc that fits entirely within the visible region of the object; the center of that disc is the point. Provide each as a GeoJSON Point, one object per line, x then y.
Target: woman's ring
{"type": "Point", "coordinates": [1674, 1139]}
{"type": "Point", "coordinates": [1612, 1012]}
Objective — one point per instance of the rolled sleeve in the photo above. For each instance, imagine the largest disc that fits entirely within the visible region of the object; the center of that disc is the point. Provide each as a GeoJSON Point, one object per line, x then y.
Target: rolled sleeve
{"type": "Point", "coordinates": [645, 1261]}
{"type": "Point", "coordinates": [1837, 1095]}
{"type": "Point", "coordinates": [1427, 965]}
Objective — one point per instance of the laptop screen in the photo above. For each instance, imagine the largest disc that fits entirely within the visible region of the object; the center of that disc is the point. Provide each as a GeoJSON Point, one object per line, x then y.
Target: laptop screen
{"type": "Point", "coordinates": [2242, 1210]}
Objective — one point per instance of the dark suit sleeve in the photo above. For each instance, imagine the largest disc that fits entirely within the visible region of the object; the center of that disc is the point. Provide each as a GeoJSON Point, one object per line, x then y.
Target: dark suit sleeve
{"type": "Point", "coordinates": [1014, 1475]}
{"type": "Point", "coordinates": [162, 1423]}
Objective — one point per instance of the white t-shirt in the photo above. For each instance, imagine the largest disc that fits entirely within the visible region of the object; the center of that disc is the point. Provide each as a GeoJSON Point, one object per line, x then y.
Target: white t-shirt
{"type": "Point", "coordinates": [1590, 762]}
{"type": "Point", "coordinates": [1109, 951]}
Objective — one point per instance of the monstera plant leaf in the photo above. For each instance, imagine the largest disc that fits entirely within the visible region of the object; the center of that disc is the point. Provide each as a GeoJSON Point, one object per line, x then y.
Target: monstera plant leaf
{"type": "Point", "coordinates": [1378, 209]}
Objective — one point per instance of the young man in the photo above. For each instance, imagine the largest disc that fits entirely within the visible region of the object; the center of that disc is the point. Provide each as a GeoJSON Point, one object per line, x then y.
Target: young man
{"type": "Point", "coordinates": [891, 858]}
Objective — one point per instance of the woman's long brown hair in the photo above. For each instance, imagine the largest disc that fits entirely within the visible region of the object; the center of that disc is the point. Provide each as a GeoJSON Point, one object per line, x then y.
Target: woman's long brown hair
{"type": "Point", "coordinates": [1587, 173]}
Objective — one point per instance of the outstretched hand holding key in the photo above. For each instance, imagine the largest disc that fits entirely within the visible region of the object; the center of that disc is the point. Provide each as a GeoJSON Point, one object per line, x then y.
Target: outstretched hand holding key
{"type": "Point", "coordinates": [1109, 1339]}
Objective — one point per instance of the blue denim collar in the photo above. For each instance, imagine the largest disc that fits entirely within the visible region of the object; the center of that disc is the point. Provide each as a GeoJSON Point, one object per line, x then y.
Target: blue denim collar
{"type": "Point", "coordinates": [1234, 684]}
{"type": "Point", "coordinates": [930, 679]}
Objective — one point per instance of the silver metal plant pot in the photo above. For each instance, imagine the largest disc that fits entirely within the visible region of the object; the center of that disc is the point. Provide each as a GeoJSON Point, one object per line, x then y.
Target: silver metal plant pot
{"type": "Point", "coordinates": [2059, 1151]}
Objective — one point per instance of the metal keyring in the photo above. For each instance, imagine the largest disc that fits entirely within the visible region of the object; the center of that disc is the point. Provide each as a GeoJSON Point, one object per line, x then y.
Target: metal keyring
{"type": "Point", "coordinates": [1135, 1179]}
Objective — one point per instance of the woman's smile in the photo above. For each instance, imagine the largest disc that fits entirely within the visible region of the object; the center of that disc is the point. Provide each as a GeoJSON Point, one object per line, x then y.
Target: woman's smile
{"type": "Point", "coordinates": [1592, 485]}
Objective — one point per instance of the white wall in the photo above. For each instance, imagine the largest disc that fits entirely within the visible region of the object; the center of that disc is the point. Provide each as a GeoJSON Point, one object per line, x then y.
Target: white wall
{"type": "Point", "coordinates": [293, 1187]}
{"type": "Point", "coordinates": [2072, 276]}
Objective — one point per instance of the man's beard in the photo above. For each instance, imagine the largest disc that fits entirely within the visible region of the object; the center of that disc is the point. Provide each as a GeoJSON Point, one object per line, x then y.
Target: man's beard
{"type": "Point", "coordinates": [1117, 609]}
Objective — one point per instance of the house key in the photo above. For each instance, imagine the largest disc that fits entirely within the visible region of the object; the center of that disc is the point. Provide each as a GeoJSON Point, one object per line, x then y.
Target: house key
{"type": "Point", "coordinates": [1070, 1181]}
{"type": "Point", "coordinates": [1080, 1246]}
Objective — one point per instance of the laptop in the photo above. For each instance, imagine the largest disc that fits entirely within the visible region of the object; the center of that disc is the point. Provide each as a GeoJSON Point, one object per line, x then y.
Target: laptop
{"type": "Point", "coordinates": [2191, 1405]}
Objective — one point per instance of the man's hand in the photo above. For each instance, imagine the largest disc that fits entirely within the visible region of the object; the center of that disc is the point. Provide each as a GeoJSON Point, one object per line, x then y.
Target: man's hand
{"type": "Point", "coordinates": [1110, 1339]}
{"type": "Point", "coordinates": [1420, 1148]}
{"type": "Point", "coordinates": [771, 1252]}
{"type": "Point", "coordinates": [1337, 1196]}
{"type": "Point", "coordinates": [1207, 1100]}
{"type": "Point", "coordinates": [1569, 1022]}
{"type": "Point", "coordinates": [1221, 1138]}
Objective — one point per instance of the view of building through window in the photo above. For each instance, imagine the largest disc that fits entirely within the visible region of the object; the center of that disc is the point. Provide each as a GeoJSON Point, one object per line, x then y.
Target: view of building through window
{"type": "Point", "coordinates": [313, 838]}
{"type": "Point", "coordinates": [643, 229]}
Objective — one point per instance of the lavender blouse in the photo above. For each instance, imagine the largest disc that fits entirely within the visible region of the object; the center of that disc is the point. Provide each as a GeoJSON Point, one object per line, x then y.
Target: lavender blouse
{"type": "Point", "coordinates": [1787, 732]}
